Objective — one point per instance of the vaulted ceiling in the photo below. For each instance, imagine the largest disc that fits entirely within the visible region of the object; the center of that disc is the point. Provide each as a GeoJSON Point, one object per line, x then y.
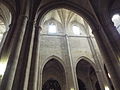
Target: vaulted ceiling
{"type": "Point", "coordinates": [85, 4]}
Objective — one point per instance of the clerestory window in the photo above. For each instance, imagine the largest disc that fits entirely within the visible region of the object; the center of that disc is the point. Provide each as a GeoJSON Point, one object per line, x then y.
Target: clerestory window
{"type": "Point", "coordinates": [76, 30]}
{"type": "Point", "coordinates": [52, 28]}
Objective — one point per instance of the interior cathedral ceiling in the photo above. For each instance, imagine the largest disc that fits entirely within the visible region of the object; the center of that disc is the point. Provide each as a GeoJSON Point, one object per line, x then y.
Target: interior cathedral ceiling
{"type": "Point", "coordinates": [31, 12]}
{"type": "Point", "coordinates": [87, 5]}
{"type": "Point", "coordinates": [66, 18]}
{"type": "Point", "coordinates": [63, 16]}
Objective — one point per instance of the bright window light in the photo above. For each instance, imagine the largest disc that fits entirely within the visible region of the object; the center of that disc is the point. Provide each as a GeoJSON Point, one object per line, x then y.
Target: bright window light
{"type": "Point", "coordinates": [107, 88]}
{"type": "Point", "coordinates": [52, 28]}
{"type": "Point", "coordinates": [76, 30]}
{"type": "Point", "coordinates": [72, 89]}
{"type": "Point", "coordinates": [1, 35]}
{"type": "Point", "coordinates": [2, 68]}
{"type": "Point", "coordinates": [109, 75]}
{"type": "Point", "coordinates": [2, 29]}
{"type": "Point", "coordinates": [116, 16]}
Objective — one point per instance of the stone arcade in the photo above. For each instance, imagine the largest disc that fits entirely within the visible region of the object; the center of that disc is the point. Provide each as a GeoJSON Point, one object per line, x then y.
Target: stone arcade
{"type": "Point", "coordinates": [59, 45]}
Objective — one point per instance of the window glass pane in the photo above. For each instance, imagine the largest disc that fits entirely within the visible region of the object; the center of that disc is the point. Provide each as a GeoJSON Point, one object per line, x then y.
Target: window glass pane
{"type": "Point", "coordinates": [76, 30]}
{"type": "Point", "coordinates": [52, 28]}
{"type": "Point", "coordinates": [2, 68]}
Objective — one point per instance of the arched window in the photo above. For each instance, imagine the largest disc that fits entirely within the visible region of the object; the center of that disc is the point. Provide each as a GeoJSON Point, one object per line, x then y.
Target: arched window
{"type": "Point", "coordinates": [116, 21]}
{"type": "Point", "coordinates": [52, 28]}
{"type": "Point", "coordinates": [76, 30]}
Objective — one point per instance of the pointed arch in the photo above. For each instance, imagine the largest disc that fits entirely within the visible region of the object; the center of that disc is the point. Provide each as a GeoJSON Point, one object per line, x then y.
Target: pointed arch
{"type": "Point", "coordinates": [53, 57]}
{"type": "Point", "coordinates": [86, 71]}
{"type": "Point", "coordinates": [53, 69]}
{"type": "Point", "coordinates": [88, 60]}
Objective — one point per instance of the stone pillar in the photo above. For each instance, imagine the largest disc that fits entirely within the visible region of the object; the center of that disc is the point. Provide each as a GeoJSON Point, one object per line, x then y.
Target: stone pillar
{"type": "Point", "coordinates": [110, 60]}
{"type": "Point", "coordinates": [40, 84]}
{"type": "Point", "coordinates": [110, 31]}
{"type": "Point", "coordinates": [106, 48]}
{"type": "Point", "coordinates": [30, 35]}
{"type": "Point", "coordinates": [23, 68]}
{"type": "Point", "coordinates": [98, 68]}
{"type": "Point", "coordinates": [33, 79]}
{"type": "Point", "coordinates": [39, 78]}
{"type": "Point", "coordinates": [40, 71]}
{"type": "Point", "coordinates": [114, 37]}
{"type": "Point", "coordinates": [7, 82]}
{"type": "Point", "coordinates": [71, 77]}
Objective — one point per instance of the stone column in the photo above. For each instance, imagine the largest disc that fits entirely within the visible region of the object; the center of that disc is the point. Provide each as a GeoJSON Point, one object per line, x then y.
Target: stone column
{"type": "Point", "coordinates": [72, 79]}
{"type": "Point", "coordinates": [39, 78]}
{"type": "Point", "coordinates": [97, 63]}
{"type": "Point", "coordinates": [110, 60]}
{"type": "Point", "coordinates": [40, 81]}
{"type": "Point", "coordinates": [7, 82]}
{"type": "Point", "coordinates": [29, 52]}
{"type": "Point", "coordinates": [23, 68]}
{"type": "Point", "coordinates": [110, 31]}
{"type": "Point", "coordinates": [33, 79]}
